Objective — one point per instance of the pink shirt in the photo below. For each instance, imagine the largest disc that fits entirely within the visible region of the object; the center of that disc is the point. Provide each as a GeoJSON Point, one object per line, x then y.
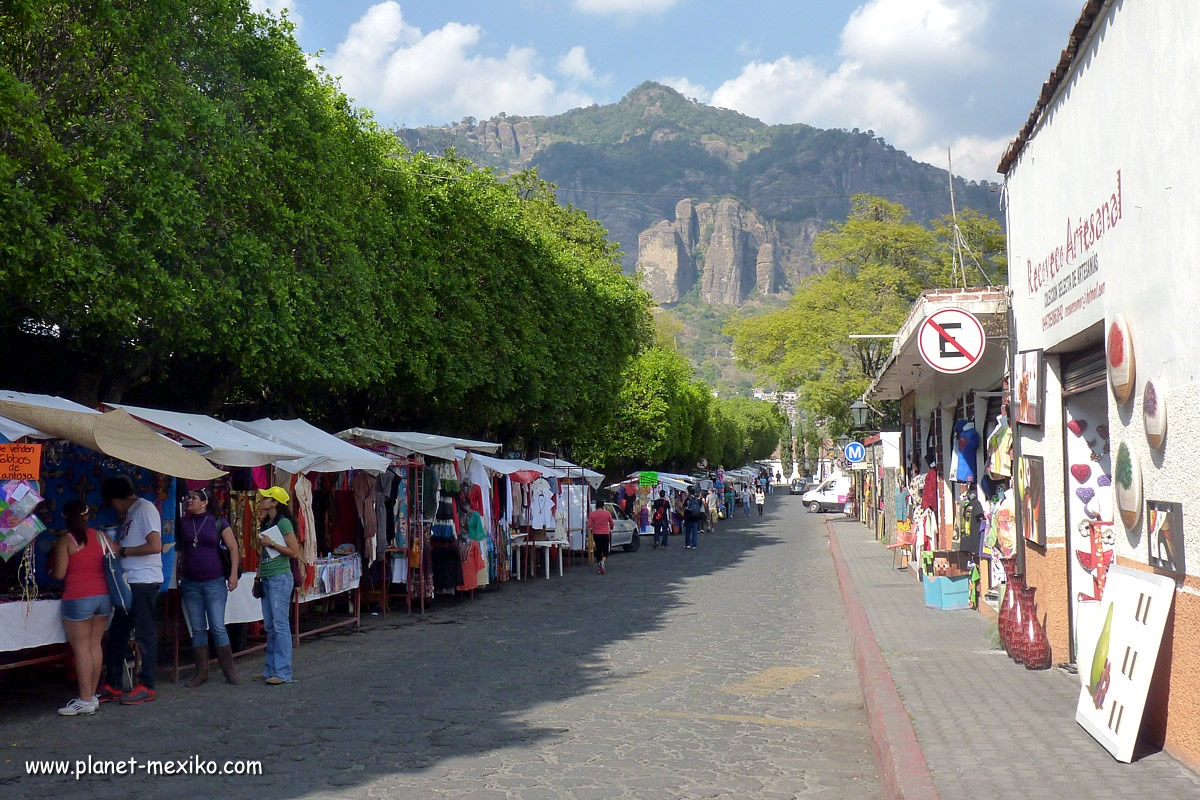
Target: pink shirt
{"type": "Point", "coordinates": [600, 521]}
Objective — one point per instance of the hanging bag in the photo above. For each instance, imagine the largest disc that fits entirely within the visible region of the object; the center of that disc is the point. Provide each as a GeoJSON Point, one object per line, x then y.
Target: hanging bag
{"type": "Point", "coordinates": [114, 575]}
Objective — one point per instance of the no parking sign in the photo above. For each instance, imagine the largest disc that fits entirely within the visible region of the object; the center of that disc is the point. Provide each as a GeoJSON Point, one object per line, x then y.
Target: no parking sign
{"type": "Point", "coordinates": [951, 340]}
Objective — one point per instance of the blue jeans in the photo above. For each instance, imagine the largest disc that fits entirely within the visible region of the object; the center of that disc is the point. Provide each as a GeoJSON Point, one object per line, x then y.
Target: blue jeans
{"type": "Point", "coordinates": [691, 533]}
{"type": "Point", "coordinates": [746, 509]}
{"type": "Point", "coordinates": [729, 505]}
{"type": "Point", "coordinates": [277, 623]}
{"type": "Point", "coordinates": [205, 604]}
{"type": "Point", "coordinates": [663, 529]}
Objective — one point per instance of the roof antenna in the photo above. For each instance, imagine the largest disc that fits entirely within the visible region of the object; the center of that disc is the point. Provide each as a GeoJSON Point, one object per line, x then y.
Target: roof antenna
{"type": "Point", "coordinates": [957, 263]}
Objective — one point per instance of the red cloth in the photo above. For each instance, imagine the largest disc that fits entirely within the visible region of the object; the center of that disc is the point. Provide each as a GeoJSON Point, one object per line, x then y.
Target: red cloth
{"type": "Point", "coordinates": [85, 570]}
{"type": "Point", "coordinates": [600, 521]}
{"type": "Point", "coordinates": [471, 567]}
{"type": "Point", "coordinates": [929, 492]}
{"type": "Point", "coordinates": [477, 500]}
{"type": "Point", "coordinates": [345, 526]}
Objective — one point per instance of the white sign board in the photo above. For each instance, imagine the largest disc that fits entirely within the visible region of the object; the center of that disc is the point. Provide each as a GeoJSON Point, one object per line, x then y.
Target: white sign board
{"type": "Point", "coordinates": [1119, 637]}
{"type": "Point", "coordinates": [951, 340]}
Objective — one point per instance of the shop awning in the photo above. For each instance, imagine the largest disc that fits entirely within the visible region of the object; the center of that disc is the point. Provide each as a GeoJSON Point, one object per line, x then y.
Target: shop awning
{"type": "Point", "coordinates": [905, 369]}
{"type": "Point", "coordinates": [323, 452]}
{"type": "Point", "coordinates": [573, 470]}
{"type": "Point", "coordinates": [401, 441]}
{"type": "Point", "coordinates": [12, 430]}
{"type": "Point", "coordinates": [114, 433]}
{"type": "Point", "coordinates": [508, 466]}
{"type": "Point", "coordinates": [217, 441]}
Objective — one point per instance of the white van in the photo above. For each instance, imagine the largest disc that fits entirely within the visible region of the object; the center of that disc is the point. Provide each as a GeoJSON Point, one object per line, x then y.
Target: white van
{"type": "Point", "coordinates": [830, 495]}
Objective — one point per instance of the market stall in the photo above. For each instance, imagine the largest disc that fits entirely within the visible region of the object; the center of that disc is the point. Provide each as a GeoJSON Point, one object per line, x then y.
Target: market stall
{"type": "Point", "coordinates": [78, 448]}
{"type": "Point", "coordinates": [330, 484]}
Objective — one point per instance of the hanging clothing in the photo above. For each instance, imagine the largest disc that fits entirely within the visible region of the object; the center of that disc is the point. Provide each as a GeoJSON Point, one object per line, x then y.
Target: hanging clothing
{"type": "Point", "coordinates": [364, 487]}
{"type": "Point", "coordinates": [966, 447]}
{"type": "Point", "coordinates": [385, 485]}
{"type": "Point", "coordinates": [541, 506]}
{"type": "Point", "coordinates": [1000, 449]}
{"type": "Point", "coordinates": [302, 492]}
{"type": "Point", "coordinates": [929, 498]}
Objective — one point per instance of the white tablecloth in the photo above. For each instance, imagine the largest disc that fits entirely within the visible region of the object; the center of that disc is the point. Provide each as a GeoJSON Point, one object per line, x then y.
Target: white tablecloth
{"type": "Point", "coordinates": [44, 625]}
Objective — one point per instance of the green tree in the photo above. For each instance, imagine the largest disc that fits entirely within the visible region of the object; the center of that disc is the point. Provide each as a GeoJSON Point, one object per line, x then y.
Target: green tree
{"type": "Point", "coordinates": [875, 263]}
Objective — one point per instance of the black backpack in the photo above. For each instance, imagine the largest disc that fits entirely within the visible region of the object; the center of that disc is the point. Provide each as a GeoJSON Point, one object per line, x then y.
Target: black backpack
{"type": "Point", "coordinates": [692, 507]}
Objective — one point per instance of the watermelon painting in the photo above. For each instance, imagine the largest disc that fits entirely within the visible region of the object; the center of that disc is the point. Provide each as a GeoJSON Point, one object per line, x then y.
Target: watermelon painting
{"type": "Point", "coordinates": [1154, 414]}
{"type": "Point", "coordinates": [1119, 351]}
{"type": "Point", "coordinates": [1127, 486]}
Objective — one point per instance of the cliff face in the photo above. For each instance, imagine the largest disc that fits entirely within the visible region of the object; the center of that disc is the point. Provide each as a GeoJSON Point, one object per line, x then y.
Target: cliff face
{"type": "Point", "coordinates": [695, 194]}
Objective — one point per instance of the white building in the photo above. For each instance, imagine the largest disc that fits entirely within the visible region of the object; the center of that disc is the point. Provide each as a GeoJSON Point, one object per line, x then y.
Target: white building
{"type": "Point", "coordinates": [1103, 186]}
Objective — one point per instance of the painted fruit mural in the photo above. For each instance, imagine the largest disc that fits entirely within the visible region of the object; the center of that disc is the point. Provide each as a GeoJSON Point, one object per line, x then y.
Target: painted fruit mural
{"type": "Point", "coordinates": [1127, 484]}
{"type": "Point", "coordinates": [1119, 351]}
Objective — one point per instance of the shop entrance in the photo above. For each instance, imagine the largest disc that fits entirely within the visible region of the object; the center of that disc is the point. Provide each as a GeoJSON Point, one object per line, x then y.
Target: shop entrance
{"type": "Point", "coordinates": [1088, 479]}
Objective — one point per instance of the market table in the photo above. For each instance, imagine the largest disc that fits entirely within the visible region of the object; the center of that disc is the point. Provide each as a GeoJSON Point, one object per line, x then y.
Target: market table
{"type": "Point", "coordinates": [547, 544]}
{"type": "Point", "coordinates": [24, 626]}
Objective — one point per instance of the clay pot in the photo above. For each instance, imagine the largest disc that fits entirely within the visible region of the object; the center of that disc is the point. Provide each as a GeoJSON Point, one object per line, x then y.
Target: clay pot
{"type": "Point", "coordinates": [1004, 617]}
{"type": "Point", "coordinates": [1035, 645]}
{"type": "Point", "coordinates": [1017, 622]}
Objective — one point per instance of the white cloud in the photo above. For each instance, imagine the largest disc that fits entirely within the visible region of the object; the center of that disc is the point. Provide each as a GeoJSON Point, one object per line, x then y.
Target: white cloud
{"type": "Point", "coordinates": [411, 77]}
{"type": "Point", "coordinates": [687, 88]}
{"type": "Point", "coordinates": [623, 7]}
{"type": "Point", "coordinates": [574, 65]}
{"type": "Point", "coordinates": [277, 7]}
{"type": "Point", "coordinates": [885, 33]}
{"type": "Point", "coordinates": [975, 157]}
{"type": "Point", "coordinates": [798, 90]}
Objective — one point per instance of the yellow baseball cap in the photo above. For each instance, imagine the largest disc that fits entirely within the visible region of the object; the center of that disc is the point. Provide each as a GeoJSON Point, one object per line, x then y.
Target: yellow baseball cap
{"type": "Point", "coordinates": [276, 493]}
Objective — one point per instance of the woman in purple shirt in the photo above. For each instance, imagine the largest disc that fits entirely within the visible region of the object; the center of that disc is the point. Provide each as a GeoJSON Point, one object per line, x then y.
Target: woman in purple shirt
{"type": "Point", "coordinates": [204, 584]}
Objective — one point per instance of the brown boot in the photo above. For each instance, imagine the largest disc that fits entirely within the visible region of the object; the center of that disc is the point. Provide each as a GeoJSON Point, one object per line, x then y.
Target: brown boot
{"type": "Point", "coordinates": [200, 654]}
{"type": "Point", "coordinates": [225, 659]}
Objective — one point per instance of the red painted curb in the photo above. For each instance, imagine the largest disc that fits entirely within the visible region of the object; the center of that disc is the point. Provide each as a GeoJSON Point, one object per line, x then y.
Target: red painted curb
{"type": "Point", "coordinates": [902, 766]}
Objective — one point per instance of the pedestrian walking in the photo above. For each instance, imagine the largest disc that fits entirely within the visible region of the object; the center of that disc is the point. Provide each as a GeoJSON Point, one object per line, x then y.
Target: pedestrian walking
{"type": "Point", "coordinates": [712, 503]}
{"type": "Point", "coordinates": [692, 511]}
{"type": "Point", "coordinates": [206, 579]}
{"type": "Point", "coordinates": [79, 561]}
{"type": "Point", "coordinates": [730, 501]}
{"type": "Point", "coordinates": [661, 517]}
{"type": "Point", "coordinates": [746, 499]}
{"type": "Point", "coordinates": [600, 523]}
{"type": "Point", "coordinates": [139, 546]}
{"type": "Point", "coordinates": [275, 572]}
{"type": "Point", "coordinates": [760, 500]}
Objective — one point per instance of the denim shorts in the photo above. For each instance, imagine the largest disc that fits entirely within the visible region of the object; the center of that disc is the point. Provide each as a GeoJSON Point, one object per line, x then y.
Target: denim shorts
{"type": "Point", "coordinates": [84, 608]}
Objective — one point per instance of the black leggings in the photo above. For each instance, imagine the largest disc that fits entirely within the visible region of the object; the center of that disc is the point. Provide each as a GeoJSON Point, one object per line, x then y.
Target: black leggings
{"type": "Point", "coordinates": [602, 540]}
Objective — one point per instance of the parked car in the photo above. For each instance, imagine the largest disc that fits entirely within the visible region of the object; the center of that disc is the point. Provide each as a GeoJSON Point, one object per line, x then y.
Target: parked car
{"type": "Point", "coordinates": [797, 487]}
{"type": "Point", "coordinates": [625, 530]}
{"type": "Point", "coordinates": [830, 495]}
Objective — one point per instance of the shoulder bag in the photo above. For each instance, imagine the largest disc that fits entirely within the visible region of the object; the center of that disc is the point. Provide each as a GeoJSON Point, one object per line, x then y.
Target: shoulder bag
{"type": "Point", "coordinates": [114, 575]}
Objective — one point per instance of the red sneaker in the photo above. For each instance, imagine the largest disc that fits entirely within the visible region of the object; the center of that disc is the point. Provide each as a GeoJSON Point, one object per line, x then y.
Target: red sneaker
{"type": "Point", "coordinates": [107, 694]}
{"type": "Point", "coordinates": [137, 695]}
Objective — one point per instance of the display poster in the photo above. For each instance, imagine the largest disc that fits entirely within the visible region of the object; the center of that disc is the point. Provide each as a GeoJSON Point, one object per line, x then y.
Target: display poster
{"type": "Point", "coordinates": [1030, 389]}
{"type": "Point", "coordinates": [20, 462]}
{"type": "Point", "coordinates": [1164, 536]}
{"type": "Point", "coordinates": [1119, 638]}
{"type": "Point", "coordinates": [1090, 534]}
{"type": "Point", "coordinates": [1031, 499]}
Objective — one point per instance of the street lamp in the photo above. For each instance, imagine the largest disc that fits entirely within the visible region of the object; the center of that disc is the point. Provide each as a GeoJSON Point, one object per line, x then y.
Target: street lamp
{"type": "Point", "coordinates": [859, 411]}
{"type": "Point", "coordinates": [843, 440]}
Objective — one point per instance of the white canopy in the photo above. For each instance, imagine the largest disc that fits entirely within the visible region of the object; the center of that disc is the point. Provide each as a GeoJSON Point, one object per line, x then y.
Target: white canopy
{"type": "Point", "coordinates": [507, 466]}
{"type": "Point", "coordinates": [573, 470]}
{"type": "Point", "coordinates": [424, 443]}
{"type": "Point", "coordinates": [673, 475]}
{"type": "Point", "coordinates": [13, 430]}
{"type": "Point", "coordinates": [217, 441]}
{"type": "Point", "coordinates": [323, 452]}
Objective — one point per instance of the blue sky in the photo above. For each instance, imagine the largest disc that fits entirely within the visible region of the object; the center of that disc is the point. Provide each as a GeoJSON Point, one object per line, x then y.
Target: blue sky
{"type": "Point", "coordinates": [924, 74]}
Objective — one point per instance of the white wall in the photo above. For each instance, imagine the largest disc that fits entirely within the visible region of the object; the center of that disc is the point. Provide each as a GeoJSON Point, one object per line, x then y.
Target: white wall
{"type": "Point", "coordinates": [1129, 106]}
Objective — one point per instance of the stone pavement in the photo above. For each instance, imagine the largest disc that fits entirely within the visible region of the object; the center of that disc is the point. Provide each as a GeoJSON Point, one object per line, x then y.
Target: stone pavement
{"type": "Point", "coordinates": [988, 727]}
{"type": "Point", "coordinates": [720, 672]}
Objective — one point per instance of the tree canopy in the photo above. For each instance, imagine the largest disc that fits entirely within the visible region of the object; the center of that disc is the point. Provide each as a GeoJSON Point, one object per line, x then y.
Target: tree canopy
{"type": "Point", "coordinates": [875, 265]}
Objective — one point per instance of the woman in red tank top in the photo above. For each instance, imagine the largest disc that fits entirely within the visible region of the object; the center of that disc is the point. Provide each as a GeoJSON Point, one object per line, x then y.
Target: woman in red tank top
{"type": "Point", "coordinates": [79, 561]}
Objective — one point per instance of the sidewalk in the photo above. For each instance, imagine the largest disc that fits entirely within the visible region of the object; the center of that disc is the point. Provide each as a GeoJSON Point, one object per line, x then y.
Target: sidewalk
{"type": "Point", "coordinates": [988, 727]}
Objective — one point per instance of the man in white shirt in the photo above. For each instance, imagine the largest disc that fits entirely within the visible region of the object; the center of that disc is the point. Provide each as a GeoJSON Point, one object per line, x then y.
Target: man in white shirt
{"type": "Point", "coordinates": [140, 543]}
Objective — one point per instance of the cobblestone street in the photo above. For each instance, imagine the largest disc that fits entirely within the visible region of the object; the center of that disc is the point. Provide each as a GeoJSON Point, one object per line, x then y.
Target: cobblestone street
{"type": "Point", "coordinates": [720, 672]}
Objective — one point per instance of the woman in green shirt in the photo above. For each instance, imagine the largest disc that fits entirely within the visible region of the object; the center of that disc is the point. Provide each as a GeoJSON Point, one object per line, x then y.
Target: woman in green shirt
{"type": "Point", "coordinates": [275, 571]}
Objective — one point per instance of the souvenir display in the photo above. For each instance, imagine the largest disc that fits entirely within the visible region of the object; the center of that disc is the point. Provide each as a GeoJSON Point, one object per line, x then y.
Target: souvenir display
{"type": "Point", "coordinates": [1127, 484]}
{"type": "Point", "coordinates": [1119, 351]}
{"type": "Point", "coordinates": [1154, 414]}
{"type": "Point", "coordinates": [1164, 535]}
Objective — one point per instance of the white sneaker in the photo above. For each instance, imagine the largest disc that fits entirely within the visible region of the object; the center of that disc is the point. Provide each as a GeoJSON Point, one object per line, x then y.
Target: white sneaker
{"type": "Point", "coordinates": [77, 707]}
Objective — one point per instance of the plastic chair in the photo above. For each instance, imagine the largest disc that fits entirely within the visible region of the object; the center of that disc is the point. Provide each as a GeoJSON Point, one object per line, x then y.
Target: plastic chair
{"type": "Point", "coordinates": [905, 540]}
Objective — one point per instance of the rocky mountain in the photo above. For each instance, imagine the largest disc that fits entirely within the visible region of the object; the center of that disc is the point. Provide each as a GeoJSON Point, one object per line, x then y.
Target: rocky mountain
{"type": "Point", "coordinates": [705, 202]}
